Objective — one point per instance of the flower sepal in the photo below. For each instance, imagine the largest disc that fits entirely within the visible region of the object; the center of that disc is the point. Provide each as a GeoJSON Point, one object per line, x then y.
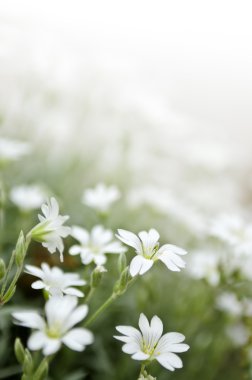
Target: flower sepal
{"type": "Point", "coordinates": [122, 284]}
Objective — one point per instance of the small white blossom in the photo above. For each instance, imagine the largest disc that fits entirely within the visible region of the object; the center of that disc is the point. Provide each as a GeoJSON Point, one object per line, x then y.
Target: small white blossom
{"type": "Point", "coordinates": [205, 265]}
{"type": "Point", "coordinates": [238, 334]}
{"type": "Point", "coordinates": [12, 150]}
{"type": "Point", "coordinates": [55, 281]}
{"type": "Point", "coordinates": [148, 251]}
{"type": "Point", "coordinates": [234, 231]}
{"type": "Point", "coordinates": [148, 344]}
{"type": "Point", "coordinates": [57, 329]}
{"type": "Point", "coordinates": [27, 197]}
{"type": "Point", "coordinates": [101, 197]}
{"type": "Point", "coordinates": [229, 303]}
{"type": "Point", "coordinates": [50, 230]}
{"type": "Point", "coordinates": [94, 245]}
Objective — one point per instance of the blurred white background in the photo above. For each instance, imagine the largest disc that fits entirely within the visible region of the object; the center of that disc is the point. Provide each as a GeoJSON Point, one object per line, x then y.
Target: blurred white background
{"type": "Point", "coordinates": [177, 71]}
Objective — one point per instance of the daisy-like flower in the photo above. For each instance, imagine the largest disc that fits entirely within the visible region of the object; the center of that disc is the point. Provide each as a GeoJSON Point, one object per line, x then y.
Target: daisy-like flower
{"type": "Point", "coordinates": [147, 248]}
{"type": "Point", "coordinates": [148, 344]}
{"type": "Point", "coordinates": [94, 245]}
{"type": "Point", "coordinates": [101, 197]}
{"type": "Point", "coordinates": [27, 198]}
{"type": "Point", "coordinates": [50, 230]}
{"type": "Point", "coordinates": [12, 150]}
{"type": "Point", "coordinates": [57, 329]}
{"type": "Point", "coordinates": [55, 281]}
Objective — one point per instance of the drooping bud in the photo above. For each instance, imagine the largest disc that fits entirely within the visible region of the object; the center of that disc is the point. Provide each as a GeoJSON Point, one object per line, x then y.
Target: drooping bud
{"type": "Point", "coordinates": [96, 276]}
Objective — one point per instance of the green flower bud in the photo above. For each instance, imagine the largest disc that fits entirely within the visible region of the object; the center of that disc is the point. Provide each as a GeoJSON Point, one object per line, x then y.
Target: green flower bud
{"type": "Point", "coordinates": [122, 262]}
{"type": "Point", "coordinates": [20, 249]}
{"type": "Point", "coordinates": [121, 285]}
{"type": "Point", "coordinates": [96, 276]}
{"type": "Point", "coordinates": [2, 269]}
{"type": "Point", "coordinates": [19, 351]}
{"type": "Point", "coordinates": [28, 363]}
{"type": "Point", "coordinates": [40, 231]}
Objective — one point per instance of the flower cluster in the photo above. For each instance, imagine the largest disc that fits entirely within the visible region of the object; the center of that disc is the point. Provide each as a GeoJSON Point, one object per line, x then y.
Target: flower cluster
{"type": "Point", "coordinates": [62, 312]}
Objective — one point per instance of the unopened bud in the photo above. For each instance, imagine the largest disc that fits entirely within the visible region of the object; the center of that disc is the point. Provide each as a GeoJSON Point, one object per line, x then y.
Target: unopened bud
{"type": "Point", "coordinates": [2, 269]}
{"type": "Point", "coordinates": [96, 276]}
{"type": "Point", "coordinates": [19, 351]}
{"type": "Point", "coordinates": [20, 249]}
{"type": "Point", "coordinates": [121, 285]}
{"type": "Point", "coordinates": [28, 363]}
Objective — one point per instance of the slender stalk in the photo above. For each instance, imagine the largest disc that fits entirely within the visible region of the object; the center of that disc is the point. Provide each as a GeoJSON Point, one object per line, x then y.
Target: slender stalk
{"type": "Point", "coordinates": [89, 295]}
{"type": "Point", "coordinates": [142, 370]}
{"type": "Point", "coordinates": [103, 307]}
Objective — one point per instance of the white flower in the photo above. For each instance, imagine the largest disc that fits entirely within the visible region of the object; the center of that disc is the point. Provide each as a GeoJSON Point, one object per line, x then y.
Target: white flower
{"type": "Point", "coordinates": [27, 197]}
{"type": "Point", "coordinates": [229, 303]}
{"type": "Point", "coordinates": [148, 251]}
{"type": "Point", "coordinates": [94, 245]}
{"type": "Point", "coordinates": [11, 150]}
{"type": "Point", "coordinates": [50, 230]}
{"type": "Point", "coordinates": [205, 265]}
{"type": "Point", "coordinates": [234, 231]}
{"type": "Point", "coordinates": [55, 281]}
{"type": "Point", "coordinates": [238, 334]}
{"type": "Point", "coordinates": [148, 344]}
{"type": "Point", "coordinates": [101, 197]}
{"type": "Point", "coordinates": [61, 315]}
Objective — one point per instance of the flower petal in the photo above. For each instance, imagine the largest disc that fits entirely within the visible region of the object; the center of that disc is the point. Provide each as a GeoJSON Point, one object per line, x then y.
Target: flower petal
{"type": "Point", "coordinates": [170, 360]}
{"type": "Point", "coordinates": [73, 292]}
{"type": "Point", "coordinates": [140, 265]}
{"type": "Point", "coordinates": [78, 338]}
{"type": "Point", "coordinates": [129, 238]}
{"type": "Point", "coordinates": [34, 271]}
{"type": "Point", "coordinates": [140, 356]}
{"type": "Point", "coordinates": [130, 348]}
{"type": "Point", "coordinates": [76, 316]}
{"type": "Point", "coordinates": [36, 341]}
{"type": "Point", "coordinates": [38, 285]}
{"type": "Point", "coordinates": [51, 346]}
{"type": "Point", "coordinates": [29, 319]}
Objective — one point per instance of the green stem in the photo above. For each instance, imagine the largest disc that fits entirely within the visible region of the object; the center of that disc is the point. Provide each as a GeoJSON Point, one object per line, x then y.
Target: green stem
{"type": "Point", "coordinates": [89, 295]}
{"type": "Point", "coordinates": [103, 307]}
{"type": "Point", "coordinates": [116, 293]}
{"type": "Point", "coordinates": [142, 369]}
